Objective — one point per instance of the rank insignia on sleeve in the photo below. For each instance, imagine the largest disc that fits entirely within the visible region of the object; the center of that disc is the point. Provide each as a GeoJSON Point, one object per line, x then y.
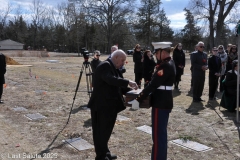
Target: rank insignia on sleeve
{"type": "Point", "coordinates": [160, 72]}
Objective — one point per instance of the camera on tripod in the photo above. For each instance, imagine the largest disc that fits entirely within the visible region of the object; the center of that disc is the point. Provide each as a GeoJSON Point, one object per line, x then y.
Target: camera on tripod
{"type": "Point", "coordinates": [85, 53]}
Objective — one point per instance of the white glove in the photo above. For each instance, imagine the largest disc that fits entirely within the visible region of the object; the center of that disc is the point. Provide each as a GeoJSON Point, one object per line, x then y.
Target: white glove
{"type": "Point", "coordinates": [135, 104]}
{"type": "Point", "coordinates": [133, 85]}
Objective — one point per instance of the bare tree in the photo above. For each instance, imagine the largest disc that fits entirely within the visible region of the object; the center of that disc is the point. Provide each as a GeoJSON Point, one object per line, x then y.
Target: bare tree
{"type": "Point", "coordinates": [110, 14]}
{"type": "Point", "coordinates": [4, 13]}
{"type": "Point", "coordinates": [38, 17]}
{"type": "Point", "coordinates": [216, 13]}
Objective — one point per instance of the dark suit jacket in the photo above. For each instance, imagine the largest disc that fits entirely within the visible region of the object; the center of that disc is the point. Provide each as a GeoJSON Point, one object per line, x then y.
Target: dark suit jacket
{"type": "Point", "coordinates": [109, 87]}
{"type": "Point", "coordinates": [214, 65]}
{"type": "Point", "coordinates": [198, 60]}
{"type": "Point", "coordinates": [2, 68]}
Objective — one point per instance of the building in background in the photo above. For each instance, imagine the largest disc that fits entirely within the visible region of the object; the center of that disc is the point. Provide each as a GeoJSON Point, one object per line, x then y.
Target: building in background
{"type": "Point", "coordinates": [8, 44]}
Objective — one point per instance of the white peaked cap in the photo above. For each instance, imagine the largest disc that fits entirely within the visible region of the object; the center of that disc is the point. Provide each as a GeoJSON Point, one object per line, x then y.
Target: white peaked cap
{"type": "Point", "coordinates": [161, 45]}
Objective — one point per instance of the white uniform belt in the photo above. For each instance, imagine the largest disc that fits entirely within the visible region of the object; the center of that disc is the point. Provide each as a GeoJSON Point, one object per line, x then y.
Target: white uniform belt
{"type": "Point", "coordinates": [165, 87]}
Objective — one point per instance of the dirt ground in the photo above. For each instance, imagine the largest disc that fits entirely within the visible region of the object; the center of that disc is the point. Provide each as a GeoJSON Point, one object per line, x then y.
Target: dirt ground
{"type": "Point", "coordinates": [49, 89]}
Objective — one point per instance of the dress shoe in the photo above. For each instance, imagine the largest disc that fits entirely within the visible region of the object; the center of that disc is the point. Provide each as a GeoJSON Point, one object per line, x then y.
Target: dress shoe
{"type": "Point", "coordinates": [201, 100]}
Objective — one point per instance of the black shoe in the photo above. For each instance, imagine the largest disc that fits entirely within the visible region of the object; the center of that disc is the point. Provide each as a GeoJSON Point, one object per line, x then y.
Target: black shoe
{"type": "Point", "coordinates": [201, 100]}
{"type": "Point", "coordinates": [210, 99]}
{"type": "Point", "coordinates": [1, 101]}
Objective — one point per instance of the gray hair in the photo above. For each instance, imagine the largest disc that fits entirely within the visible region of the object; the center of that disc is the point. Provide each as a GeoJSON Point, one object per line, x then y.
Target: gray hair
{"type": "Point", "coordinates": [118, 52]}
{"type": "Point", "coordinates": [114, 47]}
{"type": "Point", "coordinates": [200, 42]}
{"type": "Point", "coordinates": [96, 52]}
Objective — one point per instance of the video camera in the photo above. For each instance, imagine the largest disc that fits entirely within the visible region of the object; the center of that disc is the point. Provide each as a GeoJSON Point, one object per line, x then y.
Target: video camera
{"type": "Point", "coordinates": [85, 54]}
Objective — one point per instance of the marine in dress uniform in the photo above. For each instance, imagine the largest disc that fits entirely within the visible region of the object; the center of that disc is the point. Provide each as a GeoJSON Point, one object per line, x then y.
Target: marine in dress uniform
{"type": "Point", "coordinates": [214, 65]}
{"type": "Point", "coordinates": [160, 90]}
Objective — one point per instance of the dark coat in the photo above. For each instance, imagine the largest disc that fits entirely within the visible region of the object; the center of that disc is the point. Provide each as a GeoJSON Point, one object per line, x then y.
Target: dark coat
{"type": "Point", "coordinates": [148, 68]}
{"type": "Point", "coordinates": [179, 60]}
{"type": "Point", "coordinates": [214, 65]}
{"type": "Point", "coordinates": [163, 76]}
{"type": "Point", "coordinates": [230, 84]}
{"type": "Point", "coordinates": [94, 63]}
{"type": "Point", "coordinates": [109, 87]}
{"type": "Point", "coordinates": [138, 64]}
{"type": "Point", "coordinates": [2, 68]}
{"type": "Point", "coordinates": [198, 60]}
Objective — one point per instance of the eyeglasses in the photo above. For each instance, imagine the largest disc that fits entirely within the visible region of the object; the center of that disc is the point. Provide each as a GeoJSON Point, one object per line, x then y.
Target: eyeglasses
{"type": "Point", "coordinates": [201, 46]}
{"type": "Point", "coordinates": [215, 50]}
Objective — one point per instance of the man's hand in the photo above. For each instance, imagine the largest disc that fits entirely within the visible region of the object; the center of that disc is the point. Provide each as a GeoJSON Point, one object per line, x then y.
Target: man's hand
{"type": "Point", "coordinates": [135, 104]}
{"type": "Point", "coordinates": [204, 68]}
{"type": "Point", "coordinates": [133, 85]}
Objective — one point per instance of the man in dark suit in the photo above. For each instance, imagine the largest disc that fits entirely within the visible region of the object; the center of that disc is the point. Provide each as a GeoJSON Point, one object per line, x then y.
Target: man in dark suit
{"type": "Point", "coordinates": [214, 65]}
{"type": "Point", "coordinates": [199, 67]}
{"type": "Point", "coordinates": [107, 101]}
{"type": "Point", "coordinates": [2, 72]}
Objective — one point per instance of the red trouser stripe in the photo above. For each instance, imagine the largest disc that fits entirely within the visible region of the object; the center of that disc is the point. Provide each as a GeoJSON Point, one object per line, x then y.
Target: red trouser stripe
{"type": "Point", "coordinates": [155, 133]}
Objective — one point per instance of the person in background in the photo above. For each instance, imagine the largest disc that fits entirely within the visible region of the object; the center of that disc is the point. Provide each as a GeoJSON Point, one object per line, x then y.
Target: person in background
{"type": "Point", "coordinates": [179, 60]}
{"type": "Point", "coordinates": [199, 67]}
{"type": "Point", "coordinates": [2, 72]}
{"type": "Point", "coordinates": [138, 64]}
{"type": "Point", "coordinates": [228, 48]}
{"type": "Point", "coordinates": [107, 101]}
{"type": "Point", "coordinates": [114, 48]}
{"type": "Point", "coordinates": [95, 61]}
{"type": "Point", "coordinates": [229, 96]}
{"type": "Point", "coordinates": [224, 57]}
{"type": "Point", "coordinates": [214, 65]}
{"type": "Point", "coordinates": [148, 67]}
{"type": "Point", "coordinates": [195, 51]}
{"type": "Point", "coordinates": [232, 55]}
{"type": "Point", "coordinates": [160, 88]}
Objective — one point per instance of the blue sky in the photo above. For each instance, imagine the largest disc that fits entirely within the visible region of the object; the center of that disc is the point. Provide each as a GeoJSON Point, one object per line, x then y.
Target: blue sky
{"type": "Point", "coordinates": [173, 9]}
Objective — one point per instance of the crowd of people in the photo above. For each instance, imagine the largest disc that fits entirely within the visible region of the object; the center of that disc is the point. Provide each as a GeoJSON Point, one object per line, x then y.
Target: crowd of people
{"type": "Point", "coordinates": [159, 75]}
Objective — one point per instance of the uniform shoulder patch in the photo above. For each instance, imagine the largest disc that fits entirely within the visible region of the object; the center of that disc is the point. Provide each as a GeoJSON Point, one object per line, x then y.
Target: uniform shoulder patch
{"type": "Point", "coordinates": [160, 72]}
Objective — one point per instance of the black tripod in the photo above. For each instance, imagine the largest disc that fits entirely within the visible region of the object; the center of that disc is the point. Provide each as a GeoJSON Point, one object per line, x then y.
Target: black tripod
{"type": "Point", "coordinates": [88, 72]}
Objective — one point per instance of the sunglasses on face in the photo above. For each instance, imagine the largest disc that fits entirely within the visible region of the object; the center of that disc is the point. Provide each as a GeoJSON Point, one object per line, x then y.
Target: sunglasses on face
{"type": "Point", "coordinates": [215, 50]}
{"type": "Point", "coordinates": [98, 55]}
{"type": "Point", "coordinates": [201, 46]}
{"type": "Point", "coordinates": [220, 48]}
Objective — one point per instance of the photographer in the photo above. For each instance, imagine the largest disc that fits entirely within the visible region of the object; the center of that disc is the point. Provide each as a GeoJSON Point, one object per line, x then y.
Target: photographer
{"type": "Point", "coordinates": [94, 63]}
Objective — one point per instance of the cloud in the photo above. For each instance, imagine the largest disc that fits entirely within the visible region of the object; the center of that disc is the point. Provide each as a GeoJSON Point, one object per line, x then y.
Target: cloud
{"type": "Point", "coordinates": [177, 20]}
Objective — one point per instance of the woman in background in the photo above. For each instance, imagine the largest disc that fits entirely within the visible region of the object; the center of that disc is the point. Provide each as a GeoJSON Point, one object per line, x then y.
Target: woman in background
{"type": "Point", "coordinates": [224, 57]}
{"type": "Point", "coordinates": [232, 55]}
{"type": "Point", "coordinates": [148, 67]}
{"type": "Point", "coordinates": [229, 96]}
{"type": "Point", "coordinates": [179, 60]}
{"type": "Point", "coordinates": [138, 64]}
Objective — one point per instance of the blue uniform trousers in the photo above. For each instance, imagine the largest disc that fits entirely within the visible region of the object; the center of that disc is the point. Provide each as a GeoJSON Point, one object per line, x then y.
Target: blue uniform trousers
{"type": "Point", "coordinates": [159, 133]}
